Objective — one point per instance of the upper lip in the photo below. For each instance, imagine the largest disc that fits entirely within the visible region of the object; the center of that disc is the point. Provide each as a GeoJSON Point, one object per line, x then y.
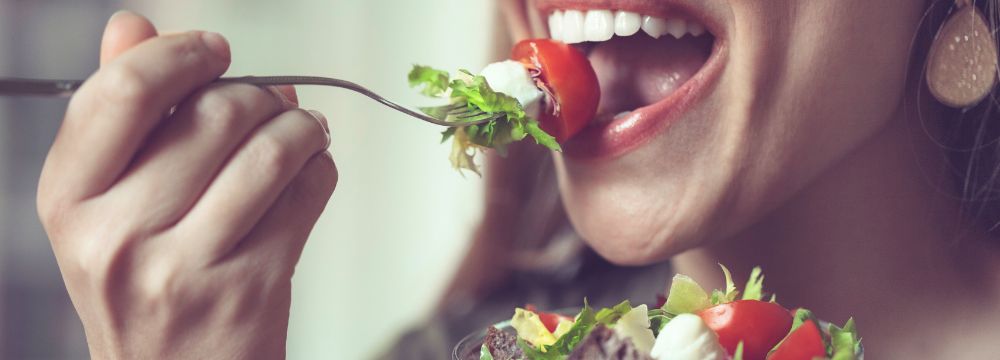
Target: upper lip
{"type": "Point", "coordinates": [705, 12]}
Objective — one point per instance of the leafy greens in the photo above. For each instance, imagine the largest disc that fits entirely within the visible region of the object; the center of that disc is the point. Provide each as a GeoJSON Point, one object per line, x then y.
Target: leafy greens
{"type": "Point", "coordinates": [472, 94]}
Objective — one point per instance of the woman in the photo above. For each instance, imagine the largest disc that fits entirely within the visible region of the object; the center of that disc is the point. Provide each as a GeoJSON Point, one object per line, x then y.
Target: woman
{"type": "Point", "coordinates": [808, 144]}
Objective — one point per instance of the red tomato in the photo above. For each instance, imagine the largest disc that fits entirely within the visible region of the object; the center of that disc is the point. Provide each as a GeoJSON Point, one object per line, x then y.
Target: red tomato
{"type": "Point", "coordinates": [759, 324]}
{"type": "Point", "coordinates": [567, 79]}
{"type": "Point", "coordinates": [805, 343]}
{"type": "Point", "coordinates": [550, 320]}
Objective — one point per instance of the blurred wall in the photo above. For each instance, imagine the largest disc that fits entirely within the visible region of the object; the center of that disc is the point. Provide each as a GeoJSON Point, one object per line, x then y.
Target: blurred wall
{"type": "Point", "coordinates": [398, 222]}
{"type": "Point", "coordinates": [52, 38]}
{"type": "Point", "coordinates": [3, 172]}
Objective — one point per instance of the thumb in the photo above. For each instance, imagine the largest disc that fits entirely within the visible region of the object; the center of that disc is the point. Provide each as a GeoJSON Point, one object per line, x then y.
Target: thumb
{"type": "Point", "coordinates": [125, 30]}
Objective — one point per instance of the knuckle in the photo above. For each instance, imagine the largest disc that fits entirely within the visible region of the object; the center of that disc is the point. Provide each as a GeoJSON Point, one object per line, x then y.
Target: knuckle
{"type": "Point", "coordinates": [160, 279]}
{"type": "Point", "coordinates": [218, 112]}
{"type": "Point", "coordinates": [273, 154]}
{"type": "Point", "coordinates": [314, 132]}
{"type": "Point", "coordinates": [80, 104]}
{"type": "Point", "coordinates": [124, 84]}
{"type": "Point", "coordinates": [102, 262]}
{"type": "Point", "coordinates": [225, 110]}
{"type": "Point", "coordinates": [52, 213]}
{"type": "Point", "coordinates": [190, 49]}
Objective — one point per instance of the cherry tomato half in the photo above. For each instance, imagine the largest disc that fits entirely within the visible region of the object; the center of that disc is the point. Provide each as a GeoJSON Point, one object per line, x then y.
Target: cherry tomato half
{"type": "Point", "coordinates": [805, 343]}
{"type": "Point", "coordinates": [567, 79]}
{"type": "Point", "coordinates": [550, 320]}
{"type": "Point", "coordinates": [760, 325]}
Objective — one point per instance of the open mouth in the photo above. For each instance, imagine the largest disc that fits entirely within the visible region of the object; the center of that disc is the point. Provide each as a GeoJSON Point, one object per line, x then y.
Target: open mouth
{"type": "Point", "coordinates": [652, 62]}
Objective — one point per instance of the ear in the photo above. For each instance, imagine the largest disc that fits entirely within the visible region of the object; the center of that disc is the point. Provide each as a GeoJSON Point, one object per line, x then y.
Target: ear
{"type": "Point", "coordinates": [125, 30]}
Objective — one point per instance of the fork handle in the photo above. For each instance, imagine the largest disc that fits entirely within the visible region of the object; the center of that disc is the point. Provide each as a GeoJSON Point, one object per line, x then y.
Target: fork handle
{"type": "Point", "coordinates": [39, 87]}
{"type": "Point", "coordinates": [343, 84]}
{"type": "Point", "coordinates": [64, 88]}
{"type": "Point", "coordinates": [36, 87]}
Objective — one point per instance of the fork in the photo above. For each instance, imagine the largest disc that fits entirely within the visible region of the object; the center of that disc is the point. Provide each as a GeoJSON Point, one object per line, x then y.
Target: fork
{"type": "Point", "coordinates": [65, 88]}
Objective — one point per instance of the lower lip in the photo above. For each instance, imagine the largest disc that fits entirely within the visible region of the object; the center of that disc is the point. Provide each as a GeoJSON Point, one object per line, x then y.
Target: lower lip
{"type": "Point", "coordinates": [628, 132]}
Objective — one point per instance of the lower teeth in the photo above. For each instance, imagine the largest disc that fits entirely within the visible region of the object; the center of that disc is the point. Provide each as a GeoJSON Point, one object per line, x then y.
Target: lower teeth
{"type": "Point", "coordinates": [606, 118]}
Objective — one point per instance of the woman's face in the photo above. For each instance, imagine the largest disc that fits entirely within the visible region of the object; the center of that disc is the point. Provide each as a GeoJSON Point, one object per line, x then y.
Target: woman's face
{"type": "Point", "coordinates": [716, 130]}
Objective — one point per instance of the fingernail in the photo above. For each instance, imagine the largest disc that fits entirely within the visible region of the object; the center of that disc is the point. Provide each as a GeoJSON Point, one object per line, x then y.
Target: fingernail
{"type": "Point", "coordinates": [285, 102]}
{"type": "Point", "coordinates": [216, 43]}
{"type": "Point", "coordinates": [289, 92]}
{"type": "Point", "coordinates": [322, 122]}
{"type": "Point", "coordinates": [118, 13]}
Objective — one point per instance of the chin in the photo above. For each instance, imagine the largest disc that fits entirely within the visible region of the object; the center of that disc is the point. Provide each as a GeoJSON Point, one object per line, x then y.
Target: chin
{"type": "Point", "coordinates": [645, 180]}
{"type": "Point", "coordinates": [637, 217]}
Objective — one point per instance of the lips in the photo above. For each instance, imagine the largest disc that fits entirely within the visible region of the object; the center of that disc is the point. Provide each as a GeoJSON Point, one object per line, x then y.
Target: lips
{"type": "Point", "coordinates": [654, 60]}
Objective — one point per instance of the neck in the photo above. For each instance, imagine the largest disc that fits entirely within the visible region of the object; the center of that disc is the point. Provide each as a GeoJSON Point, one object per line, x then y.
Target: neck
{"type": "Point", "coordinates": [878, 237]}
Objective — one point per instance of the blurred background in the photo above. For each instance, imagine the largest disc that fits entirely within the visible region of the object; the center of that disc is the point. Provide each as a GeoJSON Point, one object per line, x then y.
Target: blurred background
{"type": "Point", "coordinates": [399, 221]}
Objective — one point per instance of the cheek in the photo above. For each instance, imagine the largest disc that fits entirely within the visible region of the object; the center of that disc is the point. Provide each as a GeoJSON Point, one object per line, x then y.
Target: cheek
{"type": "Point", "coordinates": [806, 83]}
{"type": "Point", "coordinates": [521, 20]}
{"type": "Point", "coordinates": [836, 79]}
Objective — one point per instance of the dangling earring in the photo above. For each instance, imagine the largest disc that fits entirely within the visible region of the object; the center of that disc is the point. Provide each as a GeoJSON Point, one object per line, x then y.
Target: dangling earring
{"type": "Point", "coordinates": [962, 63]}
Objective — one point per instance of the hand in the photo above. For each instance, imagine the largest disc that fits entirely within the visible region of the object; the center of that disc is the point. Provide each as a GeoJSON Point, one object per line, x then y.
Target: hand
{"type": "Point", "coordinates": [177, 209]}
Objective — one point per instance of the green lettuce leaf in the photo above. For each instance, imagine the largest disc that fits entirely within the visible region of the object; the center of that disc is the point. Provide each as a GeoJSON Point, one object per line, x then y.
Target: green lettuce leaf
{"type": "Point", "coordinates": [434, 81]}
{"type": "Point", "coordinates": [801, 315]}
{"type": "Point", "coordinates": [541, 137]}
{"type": "Point", "coordinates": [478, 95]}
{"type": "Point", "coordinates": [582, 325]}
{"type": "Point", "coordinates": [533, 353]}
{"type": "Point", "coordinates": [609, 316]}
{"type": "Point", "coordinates": [719, 297]}
{"type": "Point", "coordinates": [472, 95]}
{"type": "Point", "coordinates": [844, 342]}
{"type": "Point", "coordinates": [685, 296]}
{"type": "Point", "coordinates": [754, 289]}
{"type": "Point", "coordinates": [484, 353]}
{"type": "Point", "coordinates": [584, 322]}
{"type": "Point", "coordinates": [738, 354]}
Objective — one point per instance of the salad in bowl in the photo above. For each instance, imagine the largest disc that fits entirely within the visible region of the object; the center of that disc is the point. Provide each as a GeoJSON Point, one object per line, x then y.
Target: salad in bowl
{"type": "Point", "coordinates": [689, 324]}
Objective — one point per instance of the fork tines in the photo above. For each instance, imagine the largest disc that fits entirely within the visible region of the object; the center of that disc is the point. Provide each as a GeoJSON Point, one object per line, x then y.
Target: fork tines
{"type": "Point", "coordinates": [463, 113]}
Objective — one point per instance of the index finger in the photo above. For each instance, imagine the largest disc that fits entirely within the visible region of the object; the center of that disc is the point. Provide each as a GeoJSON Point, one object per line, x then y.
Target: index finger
{"type": "Point", "coordinates": [115, 110]}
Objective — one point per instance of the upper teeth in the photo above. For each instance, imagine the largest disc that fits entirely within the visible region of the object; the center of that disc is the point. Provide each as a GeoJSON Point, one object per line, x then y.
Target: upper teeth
{"type": "Point", "coordinates": [574, 26]}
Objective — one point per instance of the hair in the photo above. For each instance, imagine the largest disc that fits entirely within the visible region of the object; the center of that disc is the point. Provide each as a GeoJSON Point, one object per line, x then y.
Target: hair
{"type": "Point", "coordinates": [970, 137]}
